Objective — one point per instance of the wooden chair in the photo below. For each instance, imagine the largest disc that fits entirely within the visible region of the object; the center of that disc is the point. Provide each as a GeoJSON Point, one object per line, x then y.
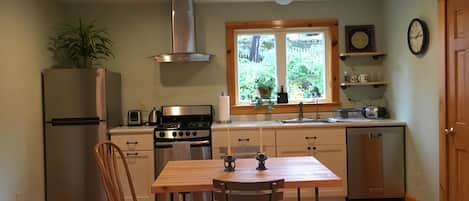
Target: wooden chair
{"type": "Point", "coordinates": [248, 191]}
{"type": "Point", "coordinates": [106, 154]}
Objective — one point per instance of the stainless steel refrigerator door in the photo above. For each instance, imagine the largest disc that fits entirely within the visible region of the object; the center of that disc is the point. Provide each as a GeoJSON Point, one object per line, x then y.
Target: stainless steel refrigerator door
{"type": "Point", "coordinates": [113, 90]}
{"type": "Point", "coordinates": [72, 93]}
{"type": "Point", "coordinates": [375, 162]}
{"type": "Point", "coordinates": [165, 152]}
{"type": "Point", "coordinates": [71, 171]}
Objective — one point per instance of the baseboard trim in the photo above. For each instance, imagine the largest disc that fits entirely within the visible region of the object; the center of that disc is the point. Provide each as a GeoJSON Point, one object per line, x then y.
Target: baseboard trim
{"type": "Point", "coordinates": [410, 198]}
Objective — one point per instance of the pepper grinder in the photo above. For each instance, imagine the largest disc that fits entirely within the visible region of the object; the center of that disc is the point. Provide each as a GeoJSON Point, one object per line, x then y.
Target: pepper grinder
{"type": "Point", "coordinates": [261, 157]}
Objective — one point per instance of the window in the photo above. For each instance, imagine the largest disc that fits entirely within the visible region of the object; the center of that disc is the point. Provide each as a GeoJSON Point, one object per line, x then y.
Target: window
{"type": "Point", "coordinates": [297, 55]}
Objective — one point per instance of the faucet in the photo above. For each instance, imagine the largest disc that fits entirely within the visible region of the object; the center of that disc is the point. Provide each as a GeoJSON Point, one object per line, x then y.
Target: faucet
{"type": "Point", "coordinates": [300, 111]}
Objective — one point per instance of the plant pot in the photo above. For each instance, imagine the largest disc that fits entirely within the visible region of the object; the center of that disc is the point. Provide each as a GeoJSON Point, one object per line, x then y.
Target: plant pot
{"type": "Point", "coordinates": [265, 93]}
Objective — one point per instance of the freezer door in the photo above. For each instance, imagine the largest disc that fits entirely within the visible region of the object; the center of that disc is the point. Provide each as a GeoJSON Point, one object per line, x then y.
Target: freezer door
{"type": "Point", "coordinates": [113, 99]}
{"type": "Point", "coordinates": [72, 93]}
{"type": "Point", "coordinates": [71, 171]}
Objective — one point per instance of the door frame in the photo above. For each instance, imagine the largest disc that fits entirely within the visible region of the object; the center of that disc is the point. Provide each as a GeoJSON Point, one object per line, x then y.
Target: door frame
{"type": "Point", "coordinates": [442, 106]}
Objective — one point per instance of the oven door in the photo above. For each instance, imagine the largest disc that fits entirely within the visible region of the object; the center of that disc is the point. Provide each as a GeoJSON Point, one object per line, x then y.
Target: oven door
{"type": "Point", "coordinates": [185, 150]}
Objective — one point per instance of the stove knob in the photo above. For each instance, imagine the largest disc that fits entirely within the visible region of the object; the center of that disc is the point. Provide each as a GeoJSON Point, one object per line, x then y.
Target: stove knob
{"type": "Point", "coordinates": [181, 133]}
{"type": "Point", "coordinates": [161, 134]}
{"type": "Point", "coordinates": [174, 134]}
{"type": "Point", "coordinates": [194, 133]}
{"type": "Point", "coordinates": [188, 133]}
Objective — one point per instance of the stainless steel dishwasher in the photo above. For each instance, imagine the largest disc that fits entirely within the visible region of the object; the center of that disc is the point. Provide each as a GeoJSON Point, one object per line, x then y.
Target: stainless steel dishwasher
{"type": "Point", "coordinates": [376, 162]}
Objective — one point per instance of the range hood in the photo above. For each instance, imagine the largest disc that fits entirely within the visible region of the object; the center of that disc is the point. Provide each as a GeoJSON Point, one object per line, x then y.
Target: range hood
{"type": "Point", "coordinates": [183, 35]}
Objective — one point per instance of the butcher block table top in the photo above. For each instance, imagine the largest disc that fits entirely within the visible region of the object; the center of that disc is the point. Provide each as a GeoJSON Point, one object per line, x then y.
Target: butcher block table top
{"type": "Point", "coordinates": [197, 175]}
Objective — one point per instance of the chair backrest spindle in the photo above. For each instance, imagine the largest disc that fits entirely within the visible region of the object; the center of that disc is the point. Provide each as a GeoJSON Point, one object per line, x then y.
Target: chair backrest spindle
{"type": "Point", "coordinates": [108, 156]}
{"type": "Point", "coordinates": [248, 191]}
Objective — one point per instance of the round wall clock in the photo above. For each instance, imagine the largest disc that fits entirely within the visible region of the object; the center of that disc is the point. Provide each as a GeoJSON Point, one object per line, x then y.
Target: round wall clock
{"type": "Point", "coordinates": [360, 40]}
{"type": "Point", "coordinates": [417, 36]}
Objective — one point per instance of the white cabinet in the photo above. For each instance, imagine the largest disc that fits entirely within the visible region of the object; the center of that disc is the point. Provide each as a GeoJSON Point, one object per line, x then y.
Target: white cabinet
{"type": "Point", "coordinates": [328, 145]}
{"type": "Point", "coordinates": [138, 152]}
{"type": "Point", "coordinates": [244, 143]}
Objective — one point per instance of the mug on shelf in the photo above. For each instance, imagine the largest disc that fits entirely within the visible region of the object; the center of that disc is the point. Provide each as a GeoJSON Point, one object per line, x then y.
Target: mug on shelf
{"type": "Point", "coordinates": [363, 78]}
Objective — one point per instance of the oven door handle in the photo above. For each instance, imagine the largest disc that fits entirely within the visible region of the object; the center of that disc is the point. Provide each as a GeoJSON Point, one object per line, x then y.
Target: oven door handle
{"type": "Point", "coordinates": [193, 144]}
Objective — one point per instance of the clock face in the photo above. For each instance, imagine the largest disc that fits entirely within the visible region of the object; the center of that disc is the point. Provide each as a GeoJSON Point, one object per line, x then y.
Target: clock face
{"type": "Point", "coordinates": [360, 40]}
{"type": "Point", "coordinates": [417, 36]}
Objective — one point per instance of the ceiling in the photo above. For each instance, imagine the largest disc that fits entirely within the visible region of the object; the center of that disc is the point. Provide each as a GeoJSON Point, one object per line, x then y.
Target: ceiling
{"type": "Point", "coordinates": [162, 1]}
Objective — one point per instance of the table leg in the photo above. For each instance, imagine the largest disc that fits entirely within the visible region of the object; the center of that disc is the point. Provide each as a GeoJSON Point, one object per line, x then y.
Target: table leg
{"type": "Point", "coordinates": [183, 196]}
{"type": "Point", "coordinates": [316, 193]}
{"type": "Point", "coordinates": [298, 194]}
{"type": "Point", "coordinates": [171, 196]}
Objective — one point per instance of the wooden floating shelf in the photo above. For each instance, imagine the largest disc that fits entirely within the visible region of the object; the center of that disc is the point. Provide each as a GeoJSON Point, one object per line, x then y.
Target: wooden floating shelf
{"type": "Point", "coordinates": [374, 55]}
{"type": "Point", "coordinates": [351, 84]}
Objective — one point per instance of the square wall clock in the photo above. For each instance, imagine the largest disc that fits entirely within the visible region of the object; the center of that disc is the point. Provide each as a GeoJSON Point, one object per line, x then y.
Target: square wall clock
{"type": "Point", "coordinates": [360, 38]}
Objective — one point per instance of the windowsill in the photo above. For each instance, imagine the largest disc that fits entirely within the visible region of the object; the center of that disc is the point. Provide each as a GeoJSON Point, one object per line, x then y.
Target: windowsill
{"type": "Point", "coordinates": [284, 108]}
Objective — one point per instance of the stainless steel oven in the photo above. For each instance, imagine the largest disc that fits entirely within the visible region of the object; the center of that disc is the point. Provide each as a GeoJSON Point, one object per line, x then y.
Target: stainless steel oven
{"type": "Point", "coordinates": [182, 150]}
{"type": "Point", "coordinates": [184, 134]}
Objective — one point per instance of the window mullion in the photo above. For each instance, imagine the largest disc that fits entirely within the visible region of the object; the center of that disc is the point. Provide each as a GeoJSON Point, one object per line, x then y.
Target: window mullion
{"type": "Point", "coordinates": [281, 59]}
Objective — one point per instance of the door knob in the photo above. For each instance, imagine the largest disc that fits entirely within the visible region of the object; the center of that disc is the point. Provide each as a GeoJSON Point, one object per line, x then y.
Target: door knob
{"type": "Point", "coordinates": [449, 131]}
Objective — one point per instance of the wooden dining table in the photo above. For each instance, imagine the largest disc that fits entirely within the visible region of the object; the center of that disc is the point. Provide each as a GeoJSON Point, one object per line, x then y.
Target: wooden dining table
{"type": "Point", "coordinates": [197, 175]}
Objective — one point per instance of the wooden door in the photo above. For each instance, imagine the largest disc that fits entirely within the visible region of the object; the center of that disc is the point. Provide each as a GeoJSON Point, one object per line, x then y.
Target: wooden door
{"type": "Point", "coordinates": [457, 14]}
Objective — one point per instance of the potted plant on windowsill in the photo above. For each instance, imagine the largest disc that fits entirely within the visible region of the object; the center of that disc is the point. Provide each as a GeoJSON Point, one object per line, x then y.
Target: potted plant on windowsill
{"type": "Point", "coordinates": [265, 86]}
{"type": "Point", "coordinates": [81, 45]}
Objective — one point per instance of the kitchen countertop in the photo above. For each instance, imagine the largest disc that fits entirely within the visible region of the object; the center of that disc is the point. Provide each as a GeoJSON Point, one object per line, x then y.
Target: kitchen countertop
{"type": "Point", "coordinates": [278, 124]}
{"type": "Point", "coordinates": [272, 124]}
{"type": "Point", "coordinates": [132, 130]}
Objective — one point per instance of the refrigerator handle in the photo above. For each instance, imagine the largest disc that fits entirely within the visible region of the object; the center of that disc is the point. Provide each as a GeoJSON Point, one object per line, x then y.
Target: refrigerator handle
{"type": "Point", "coordinates": [75, 121]}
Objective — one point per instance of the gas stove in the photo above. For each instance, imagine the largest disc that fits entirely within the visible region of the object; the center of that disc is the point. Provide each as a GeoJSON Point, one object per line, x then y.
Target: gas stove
{"type": "Point", "coordinates": [181, 123]}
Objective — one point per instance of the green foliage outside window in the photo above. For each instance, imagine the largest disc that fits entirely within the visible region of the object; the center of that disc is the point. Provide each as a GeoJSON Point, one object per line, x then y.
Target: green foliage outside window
{"type": "Point", "coordinates": [305, 65]}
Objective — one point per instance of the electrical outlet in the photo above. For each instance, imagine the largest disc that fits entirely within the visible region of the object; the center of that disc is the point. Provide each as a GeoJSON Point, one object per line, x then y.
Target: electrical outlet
{"type": "Point", "coordinates": [19, 196]}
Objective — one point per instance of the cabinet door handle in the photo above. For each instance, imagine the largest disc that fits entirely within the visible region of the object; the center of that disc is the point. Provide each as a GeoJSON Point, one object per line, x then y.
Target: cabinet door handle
{"type": "Point", "coordinates": [328, 150]}
{"type": "Point", "coordinates": [296, 152]}
{"type": "Point", "coordinates": [132, 154]}
{"type": "Point", "coordinates": [243, 139]}
{"type": "Point", "coordinates": [311, 138]}
{"type": "Point", "coordinates": [132, 142]}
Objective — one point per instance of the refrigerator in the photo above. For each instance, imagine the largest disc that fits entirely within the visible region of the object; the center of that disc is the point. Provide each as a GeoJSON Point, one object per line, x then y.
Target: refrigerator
{"type": "Point", "coordinates": [79, 106]}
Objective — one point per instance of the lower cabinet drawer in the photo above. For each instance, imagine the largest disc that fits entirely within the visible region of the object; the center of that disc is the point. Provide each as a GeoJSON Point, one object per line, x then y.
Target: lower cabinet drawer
{"type": "Point", "coordinates": [133, 142]}
{"type": "Point", "coordinates": [308, 136]}
{"type": "Point", "coordinates": [243, 152]}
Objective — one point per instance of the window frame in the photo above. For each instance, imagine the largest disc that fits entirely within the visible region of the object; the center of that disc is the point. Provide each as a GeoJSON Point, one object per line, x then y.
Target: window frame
{"type": "Point", "coordinates": [332, 58]}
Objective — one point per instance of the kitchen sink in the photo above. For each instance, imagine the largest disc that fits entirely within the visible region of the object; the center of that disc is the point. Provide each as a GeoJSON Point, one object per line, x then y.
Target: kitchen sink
{"type": "Point", "coordinates": [305, 120]}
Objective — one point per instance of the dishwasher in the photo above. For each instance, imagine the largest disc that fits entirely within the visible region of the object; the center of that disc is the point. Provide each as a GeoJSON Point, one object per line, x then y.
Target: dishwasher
{"type": "Point", "coordinates": [376, 162]}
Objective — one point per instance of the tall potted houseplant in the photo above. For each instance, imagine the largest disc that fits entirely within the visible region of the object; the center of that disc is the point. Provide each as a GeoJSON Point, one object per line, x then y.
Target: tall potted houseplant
{"type": "Point", "coordinates": [82, 45]}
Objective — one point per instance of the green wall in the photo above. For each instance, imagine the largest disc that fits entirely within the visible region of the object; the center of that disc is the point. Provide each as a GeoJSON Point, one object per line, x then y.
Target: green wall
{"type": "Point", "coordinates": [140, 30]}
{"type": "Point", "coordinates": [25, 28]}
{"type": "Point", "coordinates": [413, 93]}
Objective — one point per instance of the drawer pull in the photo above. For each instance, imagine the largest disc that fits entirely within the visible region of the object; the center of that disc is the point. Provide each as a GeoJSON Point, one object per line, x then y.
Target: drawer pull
{"type": "Point", "coordinates": [132, 142]}
{"type": "Point", "coordinates": [132, 154]}
{"type": "Point", "coordinates": [311, 138]}
{"type": "Point", "coordinates": [243, 139]}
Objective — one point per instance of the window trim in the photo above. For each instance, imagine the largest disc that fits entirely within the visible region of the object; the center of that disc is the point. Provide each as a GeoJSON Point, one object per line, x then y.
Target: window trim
{"type": "Point", "coordinates": [331, 24]}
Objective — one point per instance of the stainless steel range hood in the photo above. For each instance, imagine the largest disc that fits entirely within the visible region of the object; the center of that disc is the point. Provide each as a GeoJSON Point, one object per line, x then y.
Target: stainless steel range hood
{"type": "Point", "coordinates": [183, 35]}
